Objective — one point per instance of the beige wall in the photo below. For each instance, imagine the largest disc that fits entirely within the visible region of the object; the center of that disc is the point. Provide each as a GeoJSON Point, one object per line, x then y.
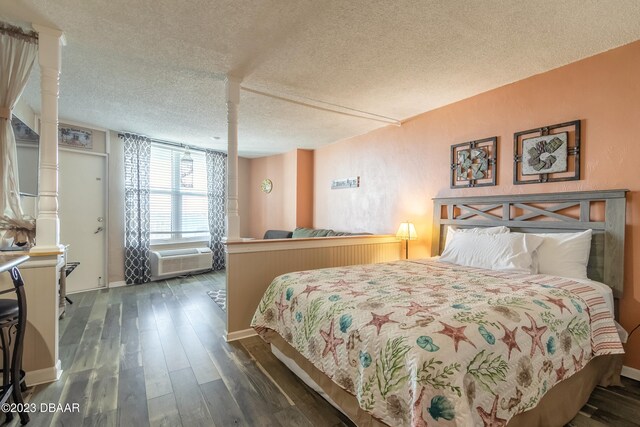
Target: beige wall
{"type": "Point", "coordinates": [401, 169]}
{"type": "Point", "coordinates": [26, 114]}
{"type": "Point", "coordinates": [115, 227]}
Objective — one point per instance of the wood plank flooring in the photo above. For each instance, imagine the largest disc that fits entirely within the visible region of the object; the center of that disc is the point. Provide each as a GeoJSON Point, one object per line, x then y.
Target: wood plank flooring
{"type": "Point", "coordinates": [153, 355]}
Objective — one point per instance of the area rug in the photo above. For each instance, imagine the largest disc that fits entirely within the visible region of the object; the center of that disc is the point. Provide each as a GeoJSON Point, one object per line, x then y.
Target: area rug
{"type": "Point", "coordinates": [219, 296]}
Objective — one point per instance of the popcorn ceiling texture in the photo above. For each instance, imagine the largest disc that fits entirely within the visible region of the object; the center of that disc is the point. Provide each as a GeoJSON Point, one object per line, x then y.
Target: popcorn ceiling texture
{"type": "Point", "coordinates": [157, 67]}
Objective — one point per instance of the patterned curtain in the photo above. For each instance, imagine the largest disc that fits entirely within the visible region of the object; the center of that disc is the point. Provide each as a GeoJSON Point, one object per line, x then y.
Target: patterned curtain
{"type": "Point", "coordinates": [216, 179]}
{"type": "Point", "coordinates": [137, 153]}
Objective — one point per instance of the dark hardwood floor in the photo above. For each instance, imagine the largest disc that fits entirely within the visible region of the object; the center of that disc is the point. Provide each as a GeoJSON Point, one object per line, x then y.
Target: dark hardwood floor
{"type": "Point", "coordinates": [153, 355]}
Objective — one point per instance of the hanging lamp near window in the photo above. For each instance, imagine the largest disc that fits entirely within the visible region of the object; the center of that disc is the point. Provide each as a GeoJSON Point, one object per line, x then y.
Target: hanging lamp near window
{"type": "Point", "coordinates": [186, 169]}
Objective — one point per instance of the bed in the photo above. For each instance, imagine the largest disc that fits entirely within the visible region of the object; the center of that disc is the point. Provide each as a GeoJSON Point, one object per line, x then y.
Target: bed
{"type": "Point", "coordinates": [423, 342]}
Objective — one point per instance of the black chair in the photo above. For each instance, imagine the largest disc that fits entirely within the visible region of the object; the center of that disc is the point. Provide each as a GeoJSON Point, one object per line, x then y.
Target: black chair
{"type": "Point", "coordinates": [13, 315]}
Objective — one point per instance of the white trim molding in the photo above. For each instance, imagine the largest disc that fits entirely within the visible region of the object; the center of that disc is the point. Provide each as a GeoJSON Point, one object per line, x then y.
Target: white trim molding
{"type": "Point", "coordinates": [247, 246]}
{"type": "Point", "coordinates": [117, 284]}
{"type": "Point", "coordinates": [632, 373]}
{"type": "Point", "coordinates": [43, 376]}
{"type": "Point", "coordinates": [238, 335]}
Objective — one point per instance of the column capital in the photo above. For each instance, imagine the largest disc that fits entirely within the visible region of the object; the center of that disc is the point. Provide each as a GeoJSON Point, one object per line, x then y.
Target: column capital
{"type": "Point", "coordinates": [230, 78]}
{"type": "Point", "coordinates": [50, 41]}
{"type": "Point", "coordinates": [51, 32]}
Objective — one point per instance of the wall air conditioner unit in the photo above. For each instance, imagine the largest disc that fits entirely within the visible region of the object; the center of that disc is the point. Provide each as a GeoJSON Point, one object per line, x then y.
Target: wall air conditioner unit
{"type": "Point", "coordinates": [176, 262]}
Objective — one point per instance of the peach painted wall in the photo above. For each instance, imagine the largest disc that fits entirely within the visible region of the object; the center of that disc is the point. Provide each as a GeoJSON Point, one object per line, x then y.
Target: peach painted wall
{"type": "Point", "coordinates": [401, 169]}
{"type": "Point", "coordinates": [289, 183]}
{"type": "Point", "coordinates": [272, 210]}
{"type": "Point", "coordinates": [289, 204]}
{"type": "Point", "coordinates": [304, 189]}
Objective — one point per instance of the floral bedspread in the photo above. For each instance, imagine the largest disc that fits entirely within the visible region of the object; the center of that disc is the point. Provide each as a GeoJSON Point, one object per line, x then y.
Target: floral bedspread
{"type": "Point", "coordinates": [424, 342]}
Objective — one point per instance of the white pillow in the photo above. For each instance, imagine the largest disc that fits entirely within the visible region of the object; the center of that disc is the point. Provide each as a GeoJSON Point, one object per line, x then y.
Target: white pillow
{"type": "Point", "coordinates": [564, 254]}
{"type": "Point", "coordinates": [478, 230]}
{"type": "Point", "coordinates": [504, 252]}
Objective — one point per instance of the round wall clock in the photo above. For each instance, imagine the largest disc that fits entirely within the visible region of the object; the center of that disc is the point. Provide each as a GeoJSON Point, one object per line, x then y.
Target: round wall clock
{"type": "Point", "coordinates": [266, 186]}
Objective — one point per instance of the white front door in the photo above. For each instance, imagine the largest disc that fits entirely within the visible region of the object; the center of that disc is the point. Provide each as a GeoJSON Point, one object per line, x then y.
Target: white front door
{"type": "Point", "coordinates": [83, 222]}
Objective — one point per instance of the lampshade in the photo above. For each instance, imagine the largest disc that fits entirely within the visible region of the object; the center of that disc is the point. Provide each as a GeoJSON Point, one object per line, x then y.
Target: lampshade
{"type": "Point", "coordinates": [407, 231]}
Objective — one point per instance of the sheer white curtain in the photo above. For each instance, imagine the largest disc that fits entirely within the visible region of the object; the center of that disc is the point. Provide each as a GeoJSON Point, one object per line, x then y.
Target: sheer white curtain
{"type": "Point", "coordinates": [17, 54]}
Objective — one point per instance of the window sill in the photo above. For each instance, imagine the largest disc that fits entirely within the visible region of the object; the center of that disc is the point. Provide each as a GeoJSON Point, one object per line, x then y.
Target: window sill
{"type": "Point", "coordinates": [189, 242]}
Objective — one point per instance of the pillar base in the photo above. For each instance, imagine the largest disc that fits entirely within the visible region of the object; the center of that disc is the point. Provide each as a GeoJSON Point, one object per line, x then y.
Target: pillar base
{"type": "Point", "coordinates": [233, 228]}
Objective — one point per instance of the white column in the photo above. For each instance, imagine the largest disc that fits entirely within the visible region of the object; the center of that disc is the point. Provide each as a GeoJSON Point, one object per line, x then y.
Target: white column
{"type": "Point", "coordinates": [233, 99]}
{"type": "Point", "coordinates": [47, 223]}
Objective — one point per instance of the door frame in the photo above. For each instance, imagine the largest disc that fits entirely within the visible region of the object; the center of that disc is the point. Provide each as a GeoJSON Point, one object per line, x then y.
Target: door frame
{"type": "Point", "coordinates": [105, 156]}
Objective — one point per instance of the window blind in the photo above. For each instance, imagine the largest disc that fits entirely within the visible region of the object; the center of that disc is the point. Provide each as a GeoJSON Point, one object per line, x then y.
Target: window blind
{"type": "Point", "coordinates": [177, 213]}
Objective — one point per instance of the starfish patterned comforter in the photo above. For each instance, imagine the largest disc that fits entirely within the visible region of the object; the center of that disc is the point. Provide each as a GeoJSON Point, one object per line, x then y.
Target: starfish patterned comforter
{"type": "Point", "coordinates": [424, 342]}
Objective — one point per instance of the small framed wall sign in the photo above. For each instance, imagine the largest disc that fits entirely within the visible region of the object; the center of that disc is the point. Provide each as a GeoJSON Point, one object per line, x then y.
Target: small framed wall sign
{"type": "Point", "coordinates": [547, 154]}
{"type": "Point", "coordinates": [73, 137]}
{"type": "Point", "coordinates": [473, 163]}
{"type": "Point", "coordinates": [352, 182]}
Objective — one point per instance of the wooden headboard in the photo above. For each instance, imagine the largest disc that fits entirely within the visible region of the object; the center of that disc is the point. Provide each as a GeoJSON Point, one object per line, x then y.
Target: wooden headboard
{"type": "Point", "coordinates": [546, 213]}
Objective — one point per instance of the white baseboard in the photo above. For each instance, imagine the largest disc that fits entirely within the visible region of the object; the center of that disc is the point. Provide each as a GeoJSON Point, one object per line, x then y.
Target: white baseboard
{"type": "Point", "coordinates": [43, 376]}
{"type": "Point", "coordinates": [69, 294]}
{"type": "Point", "coordinates": [632, 373]}
{"type": "Point", "coordinates": [238, 335]}
{"type": "Point", "coordinates": [119, 284]}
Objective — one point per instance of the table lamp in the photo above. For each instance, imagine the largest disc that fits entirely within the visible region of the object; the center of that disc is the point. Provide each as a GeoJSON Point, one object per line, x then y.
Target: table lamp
{"type": "Point", "coordinates": [407, 231]}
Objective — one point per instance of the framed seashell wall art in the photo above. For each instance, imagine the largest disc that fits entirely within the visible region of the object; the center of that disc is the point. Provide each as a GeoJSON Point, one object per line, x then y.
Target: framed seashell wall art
{"type": "Point", "coordinates": [547, 154]}
{"type": "Point", "coordinates": [473, 163]}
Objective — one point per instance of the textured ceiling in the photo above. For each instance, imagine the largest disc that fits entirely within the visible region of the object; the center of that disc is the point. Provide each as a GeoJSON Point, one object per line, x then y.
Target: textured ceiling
{"type": "Point", "coordinates": [157, 66]}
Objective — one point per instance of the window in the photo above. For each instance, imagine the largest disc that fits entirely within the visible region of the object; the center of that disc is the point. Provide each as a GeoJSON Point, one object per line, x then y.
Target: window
{"type": "Point", "coordinates": [177, 213]}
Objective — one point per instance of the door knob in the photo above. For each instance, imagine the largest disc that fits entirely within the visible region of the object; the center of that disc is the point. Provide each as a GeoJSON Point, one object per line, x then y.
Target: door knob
{"type": "Point", "coordinates": [98, 230]}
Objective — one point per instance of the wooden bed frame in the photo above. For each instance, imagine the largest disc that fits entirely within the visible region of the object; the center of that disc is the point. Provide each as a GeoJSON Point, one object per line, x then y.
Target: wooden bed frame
{"type": "Point", "coordinates": [546, 213]}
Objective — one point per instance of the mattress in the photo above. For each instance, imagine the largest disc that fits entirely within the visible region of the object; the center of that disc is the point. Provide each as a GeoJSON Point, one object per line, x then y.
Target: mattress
{"type": "Point", "coordinates": [419, 342]}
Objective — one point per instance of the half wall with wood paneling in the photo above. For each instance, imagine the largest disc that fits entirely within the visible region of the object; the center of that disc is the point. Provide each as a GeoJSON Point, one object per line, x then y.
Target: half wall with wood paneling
{"type": "Point", "coordinates": [252, 265]}
{"type": "Point", "coordinates": [40, 354]}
